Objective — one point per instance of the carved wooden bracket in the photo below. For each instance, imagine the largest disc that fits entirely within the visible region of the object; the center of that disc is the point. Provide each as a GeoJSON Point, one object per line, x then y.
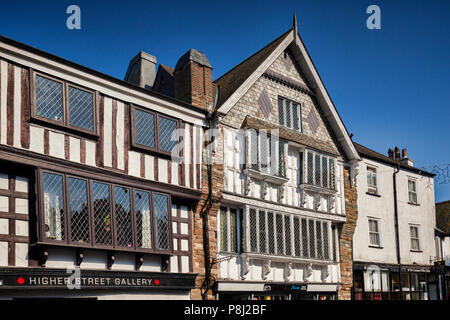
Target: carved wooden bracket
{"type": "Point", "coordinates": [304, 198]}
{"type": "Point", "coordinates": [139, 261]}
{"type": "Point", "coordinates": [325, 272]}
{"type": "Point", "coordinates": [266, 269]}
{"type": "Point", "coordinates": [111, 259]}
{"type": "Point", "coordinates": [317, 201]}
{"type": "Point", "coordinates": [287, 271]}
{"type": "Point", "coordinates": [331, 202]}
{"type": "Point", "coordinates": [165, 263]}
{"type": "Point", "coordinates": [248, 183]}
{"type": "Point", "coordinates": [79, 256]}
{"type": "Point", "coordinates": [354, 170]}
{"type": "Point", "coordinates": [245, 267]}
{"type": "Point", "coordinates": [43, 256]}
{"type": "Point", "coordinates": [307, 272]}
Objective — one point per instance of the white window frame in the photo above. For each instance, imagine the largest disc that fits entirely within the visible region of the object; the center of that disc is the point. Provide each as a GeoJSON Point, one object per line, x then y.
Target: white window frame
{"type": "Point", "coordinates": [415, 191]}
{"type": "Point", "coordinates": [285, 111]}
{"type": "Point", "coordinates": [417, 226]}
{"type": "Point", "coordinates": [372, 189]}
{"type": "Point", "coordinates": [239, 249]}
{"type": "Point", "coordinates": [378, 221]}
{"type": "Point", "coordinates": [321, 156]}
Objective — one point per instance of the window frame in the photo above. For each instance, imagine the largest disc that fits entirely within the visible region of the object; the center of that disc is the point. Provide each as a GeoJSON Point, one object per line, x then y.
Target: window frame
{"type": "Point", "coordinates": [415, 191]}
{"type": "Point", "coordinates": [285, 108]}
{"type": "Point", "coordinates": [331, 179]}
{"type": "Point", "coordinates": [65, 124]}
{"type": "Point", "coordinates": [92, 243]}
{"type": "Point", "coordinates": [156, 150]}
{"type": "Point", "coordinates": [417, 226]}
{"type": "Point", "coordinates": [239, 223]}
{"type": "Point", "coordinates": [378, 221]}
{"type": "Point", "coordinates": [371, 187]}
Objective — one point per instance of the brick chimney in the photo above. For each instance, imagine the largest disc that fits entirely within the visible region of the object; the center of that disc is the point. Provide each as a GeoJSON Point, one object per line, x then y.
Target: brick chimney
{"type": "Point", "coordinates": [397, 153]}
{"type": "Point", "coordinates": [405, 159]}
{"type": "Point", "coordinates": [391, 153]}
{"type": "Point", "coordinates": [193, 80]}
{"type": "Point", "coordinates": [142, 70]}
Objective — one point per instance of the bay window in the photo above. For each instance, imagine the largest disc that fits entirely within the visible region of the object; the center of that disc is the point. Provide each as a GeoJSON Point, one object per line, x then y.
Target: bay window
{"type": "Point", "coordinates": [102, 214]}
{"type": "Point", "coordinates": [231, 230]}
{"type": "Point", "coordinates": [320, 170]}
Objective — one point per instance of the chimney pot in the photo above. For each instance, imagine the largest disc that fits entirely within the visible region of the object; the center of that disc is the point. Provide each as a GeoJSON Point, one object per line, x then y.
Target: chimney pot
{"type": "Point", "coordinates": [404, 154]}
{"type": "Point", "coordinates": [391, 153]}
{"type": "Point", "coordinates": [397, 153]}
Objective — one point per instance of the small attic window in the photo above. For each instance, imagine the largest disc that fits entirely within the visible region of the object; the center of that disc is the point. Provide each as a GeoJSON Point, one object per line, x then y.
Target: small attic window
{"type": "Point", "coordinates": [289, 114]}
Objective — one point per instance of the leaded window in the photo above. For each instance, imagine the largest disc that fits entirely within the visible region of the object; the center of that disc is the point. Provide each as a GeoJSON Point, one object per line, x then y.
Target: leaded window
{"type": "Point", "coordinates": [262, 231]}
{"type": "Point", "coordinates": [63, 104]}
{"type": "Point", "coordinates": [271, 232]}
{"type": "Point", "coordinates": [280, 234]}
{"type": "Point", "coordinates": [223, 229]}
{"type": "Point", "coordinates": [320, 170]}
{"type": "Point", "coordinates": [54, 206]}
{"type": "Point", "coordinates": [79, 210]}
{"type": "Point", "coordinates": [152, 131]}
{"type": "Point", "coordinates": [231, 230]}
{"type": "Point", "coordinates": [253, 232]}
{"type": "Point", "coordinates": [104, 215]}
{"type": "Point", "coordinates": [289, 114]}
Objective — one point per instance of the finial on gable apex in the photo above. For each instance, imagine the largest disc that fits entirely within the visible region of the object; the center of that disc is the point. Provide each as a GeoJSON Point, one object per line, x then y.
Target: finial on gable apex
{"type": "Point", "coordinates": [295, 24]}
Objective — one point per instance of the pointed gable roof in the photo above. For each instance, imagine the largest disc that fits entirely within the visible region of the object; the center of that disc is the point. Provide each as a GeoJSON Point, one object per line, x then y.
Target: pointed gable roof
{"type": "Point", "coordinates": [235, 83]}
{"type": "Point", "coordinates": [233, 79]}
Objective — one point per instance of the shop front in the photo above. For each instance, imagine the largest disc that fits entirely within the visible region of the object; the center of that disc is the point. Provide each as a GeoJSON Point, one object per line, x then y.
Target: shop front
{"type": "Point", "coordinates": [390, 282]}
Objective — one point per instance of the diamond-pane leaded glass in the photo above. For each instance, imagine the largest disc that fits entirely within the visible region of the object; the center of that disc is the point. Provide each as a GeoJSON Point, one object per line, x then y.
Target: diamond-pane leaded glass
{"type": "Point", "coordinates": [242, 230]}
{"type": "Point", "coordinates": [262, 231]}
{"type": "Point", "coordinates": [280, 235]}
{"type": "Point", "coordinates": [263, 139]}
{"type": "Point", "coordinates": [287, 233]}
{"type": "Point", "coordinates": [324, 172]}
{"type": "Point", "coordinates": [167, 135]}
{"type": "Point", "coordinates": [288, 114]}
{"type": "Point", "coordinates": [326, 249]}
{"type": "Point", "coordinates": [281, 116]}
{"type": "Point", "coordinates": [79, 210]}
{"type": "Point", "coordinates": [282, 158]}
{"type": "Point", "coordinates": [223, 229]}
{"type": "Point", "coordinates": [143, 219]}
{"type": "Point", "coordinates": [312, 241]}
{"type": "Point", "coordinates": [317, 169]}
{"type": "Point", "coordinates": [319, 240]}
{"type": "Point", "coordinates": [297, 247]}
{"type": "Point", "coordinates": [273, 155]}
{"type": "Point", "coordinates": [162, 221]}
{"type": "Point", "coordinates": [145, 128]}
{"type": "Point", "coordinates": [305, 247]}
{"type": "Point", "coordinates": [295, 110]}
{"type": "Point", "coordinates": [233, 231]}
{"type": "Point", "coordinates": [254, 152]}
{"type": "Point", "coordinates": [54, 206]}
{"type": "Point", "coordinates": [253, 243]}
{"type": "Point", "coordinates": [332, 184]}
{"type": "Point", "coordinates": [124, 226]}
{"type": "Point", "coordinates": [271, 232]}
{"type": "Point", "coordinates": [310, 168]}
{"type": "Point", "coordinates": [49, 98]}
{"type": "Point", "coordinates": [81, 111]}
{"type": "Point", "coordinates": [102, 213]}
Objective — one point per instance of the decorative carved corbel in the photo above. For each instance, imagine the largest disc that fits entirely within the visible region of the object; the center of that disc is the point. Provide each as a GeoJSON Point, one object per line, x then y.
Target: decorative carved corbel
{"type": "Point", "coordinates": [317, 202]}
{"type": "Point", "coordinates": [43, 256]}
{"type": "Point", "coordinates": [325, 272]}
{"type": "Point", "coordinates": [287, 271]}
{"type": "Point", "coordinates": [245, 261]}
{"type": "Point", "coordinates": [165, 263]}
{"type": "Point", "coordinates": [282, 192]}
{"type": "Point", "coordinates": [304, 198]}
{"type": "Point", "coordinates": [79, 256]}
{"type": "Point", "coordinates": [248, 185]}
{"type": "Point", "coordinates": [354, 170]}
{"type": "Point", "coordinates": [265, 188]}
{"type": "Point", "coordinates": [307, 272]}
{"type": "Point", "coordinates": [139, 261]}
{"type": "Point", "coordinates": [331, 202]}
{"type": "Point", "coordinates": [266, 269]}
{"type": "Point", "coordinates": [111, 259]}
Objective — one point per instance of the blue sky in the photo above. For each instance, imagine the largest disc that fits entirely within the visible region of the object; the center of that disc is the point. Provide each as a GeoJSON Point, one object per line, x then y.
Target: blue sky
{"type": "Point", "coordinates": [391, 86]}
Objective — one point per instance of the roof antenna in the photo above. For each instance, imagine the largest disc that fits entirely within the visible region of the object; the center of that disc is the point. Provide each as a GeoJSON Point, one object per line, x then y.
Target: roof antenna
{"type": "Point", "coordinates": [295, 24]}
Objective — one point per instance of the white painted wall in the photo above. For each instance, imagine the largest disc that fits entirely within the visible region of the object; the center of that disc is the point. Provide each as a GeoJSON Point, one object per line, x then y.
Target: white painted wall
{"type": "Point", "coordinates": [382, 207]}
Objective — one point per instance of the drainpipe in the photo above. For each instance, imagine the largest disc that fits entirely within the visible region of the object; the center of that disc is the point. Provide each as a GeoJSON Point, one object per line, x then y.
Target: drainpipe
{"type": "Point", "coordinates": [397, 241]}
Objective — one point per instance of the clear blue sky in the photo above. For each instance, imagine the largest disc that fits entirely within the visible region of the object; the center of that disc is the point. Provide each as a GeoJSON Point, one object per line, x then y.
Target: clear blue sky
{"type": "Point", "coordinates": [391, 86]}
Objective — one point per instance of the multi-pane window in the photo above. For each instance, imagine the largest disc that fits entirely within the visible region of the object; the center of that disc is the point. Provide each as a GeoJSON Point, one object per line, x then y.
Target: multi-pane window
{"type": "Point", "coordinates": [154, 132]}
{"type": "Point", "coordinates": [266, 153]}
{"type": "Point", "coordinates": [372, 184]}
{"type": "Point", "coordinates": [415, 241]}
{"type": "Point", "coordinates": [289, 114]}
{"type": "Point", "coordinates": [320, 170]}
{"type": "Point", "coordinates": [63, 103]}
{"type": "Point", "coordinates": [412, 191]}
{"type": "Point", "coordinates": [230, 236]}
{"type": "Point", "coordinates": [374, 233]}
{"type": "Point", "coordinates": [101, 214]}
{"type": "Point", "coordinates": [282, 234]}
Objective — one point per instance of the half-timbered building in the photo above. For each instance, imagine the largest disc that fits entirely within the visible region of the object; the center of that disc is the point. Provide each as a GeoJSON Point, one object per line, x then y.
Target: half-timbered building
{"type": "Point", "coordinates": [99, 178]}
{"type": "Point", "coordinates": [288, 201]}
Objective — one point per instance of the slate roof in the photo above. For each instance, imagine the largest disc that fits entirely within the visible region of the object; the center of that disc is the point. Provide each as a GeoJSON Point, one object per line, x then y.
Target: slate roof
{"type": "Point", "coordinates": [233, 79]}
{"type": "Point", "coordinates": [371, 154]}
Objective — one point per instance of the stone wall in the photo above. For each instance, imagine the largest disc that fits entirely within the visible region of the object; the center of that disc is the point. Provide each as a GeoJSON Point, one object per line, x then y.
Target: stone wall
{"type": "Point", "coordinates": [345, 233]}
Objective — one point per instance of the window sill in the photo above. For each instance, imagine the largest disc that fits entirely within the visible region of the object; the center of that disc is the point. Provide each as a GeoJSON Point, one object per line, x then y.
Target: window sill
{"type": "Point", "coordinates": [275, 258]}
{"type": "Point", "coordinates": [413, 204]}
{"type": "Point", "coordinates": [416, 251]}
{"type": "Point", "coordinates": [373, 194]}
{"type": "Point", "coordinates": [375, 247]}
{"type": "Point", "coordinates": [314, 188]}
{"type": "Point", "coordinates": [265, 176]}
{"type": "Point", "coordinates": [92, 135]}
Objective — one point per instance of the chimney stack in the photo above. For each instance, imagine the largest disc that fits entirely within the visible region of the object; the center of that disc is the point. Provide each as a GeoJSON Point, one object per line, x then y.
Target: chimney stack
{"type": "Point", "coordinates": [397, 153]}
{"type": "Point", "coordinates": [405, 159]}
{"type": "Point", "coordinates": [142, 70]}
{"type": "Point", "coordinates": [391, 153]}
{"type": "Point", "coordinates": [193, 80]}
